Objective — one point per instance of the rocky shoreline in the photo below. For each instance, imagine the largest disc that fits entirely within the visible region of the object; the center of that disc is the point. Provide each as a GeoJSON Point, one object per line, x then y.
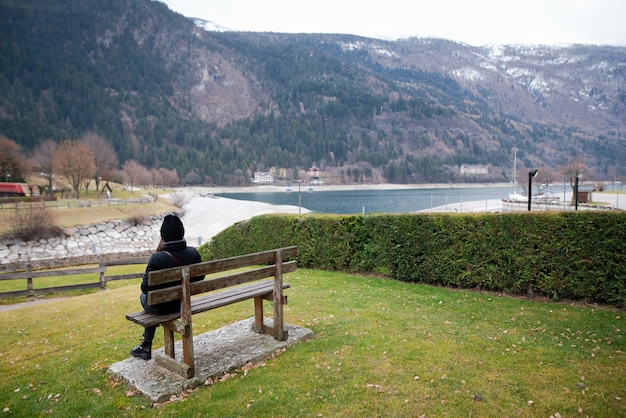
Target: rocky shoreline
{"type": "Point", "coordinates": [88, 243]}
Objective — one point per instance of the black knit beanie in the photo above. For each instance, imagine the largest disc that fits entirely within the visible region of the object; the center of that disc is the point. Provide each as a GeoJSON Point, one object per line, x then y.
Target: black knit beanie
{"type": "Point", "coordinates": [172, 229]}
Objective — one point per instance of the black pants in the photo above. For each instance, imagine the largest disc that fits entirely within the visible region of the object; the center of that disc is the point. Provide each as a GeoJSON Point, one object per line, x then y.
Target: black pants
{"type": "Point", "coordinates": [148, 332]}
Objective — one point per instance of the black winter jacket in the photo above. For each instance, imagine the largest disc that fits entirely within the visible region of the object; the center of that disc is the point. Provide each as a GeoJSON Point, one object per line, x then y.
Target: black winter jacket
{"type": "Point", "coordinates": [173, 254]}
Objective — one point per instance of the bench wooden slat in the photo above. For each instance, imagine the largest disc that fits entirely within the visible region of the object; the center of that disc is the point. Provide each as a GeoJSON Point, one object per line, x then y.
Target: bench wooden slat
{"type": "Point", "coordinates": [208, 302]}
{"type": "Point", "coordinates": [175, 292]}
{"type": "Point", "coordinates": [205, 303]}
{"type": "Point", "coordinates": [164, 276]}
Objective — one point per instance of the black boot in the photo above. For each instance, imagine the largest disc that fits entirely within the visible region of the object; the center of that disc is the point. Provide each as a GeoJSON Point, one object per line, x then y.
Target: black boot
{"type": "Point", "coordinates": [142, 351]}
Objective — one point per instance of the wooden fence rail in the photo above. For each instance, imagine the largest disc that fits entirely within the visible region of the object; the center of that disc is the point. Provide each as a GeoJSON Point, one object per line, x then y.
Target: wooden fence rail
{"type": "Point", "coordinates": [101, 272]}
{"type": "Point", "coordinates": [11, 204]}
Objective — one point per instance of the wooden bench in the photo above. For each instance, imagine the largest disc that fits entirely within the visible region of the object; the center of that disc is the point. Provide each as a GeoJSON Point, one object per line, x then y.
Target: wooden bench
{"type": "Point", "coordinates": [235, 287]}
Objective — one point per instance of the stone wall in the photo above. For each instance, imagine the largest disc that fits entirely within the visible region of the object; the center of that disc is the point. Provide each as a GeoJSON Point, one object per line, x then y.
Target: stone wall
{"type": "Point", "coordinates": [110, 238]}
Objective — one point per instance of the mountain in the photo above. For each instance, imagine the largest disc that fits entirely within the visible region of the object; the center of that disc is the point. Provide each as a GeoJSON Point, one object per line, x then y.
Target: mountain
{"type": "Point", "coordinates": [219, 105]}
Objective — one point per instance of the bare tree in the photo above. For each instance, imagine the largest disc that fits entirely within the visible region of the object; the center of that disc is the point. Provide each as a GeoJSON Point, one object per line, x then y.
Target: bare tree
{"type": "Point", "coordinates": [170, 177]}
{"type": "Point", "coordinates": [144, 177]}
{"type": "Point", "coordinates": [132, 171]}
{"type": "Point", "coordinates": [570, 170]}
{"type": "Point", "coordinates": [86, 183]}
{"type": "Point", "coordinates": [548, 176]}
{"type": "Point", "coordinates": [74, 160]}
{"type": "Point", "coordinates": [157, 179]}
{"type": "Point", "coordinates": [12, 165]}
{"type": "Point", "coordinates": [43, 160]}
{"type": "Point", "coordinates": [105, 157]}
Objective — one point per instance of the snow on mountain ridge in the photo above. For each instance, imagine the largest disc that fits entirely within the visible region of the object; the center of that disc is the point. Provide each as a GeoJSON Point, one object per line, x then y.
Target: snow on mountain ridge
{"type": "Point", "coordinates": [210, 26]}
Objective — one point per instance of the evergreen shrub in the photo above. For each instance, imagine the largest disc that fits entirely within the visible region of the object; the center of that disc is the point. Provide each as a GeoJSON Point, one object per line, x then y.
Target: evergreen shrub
{"type": "Point", "coordinates": [572, 255]}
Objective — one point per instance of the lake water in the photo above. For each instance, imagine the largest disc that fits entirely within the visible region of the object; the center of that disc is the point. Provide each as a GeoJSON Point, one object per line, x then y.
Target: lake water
{"type": "Point", "coordinates": [373, 201]}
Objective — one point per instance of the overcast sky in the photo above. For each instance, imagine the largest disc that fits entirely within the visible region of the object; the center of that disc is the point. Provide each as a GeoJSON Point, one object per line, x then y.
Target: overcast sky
{"type": "Point", "coordinates": [475, 22]}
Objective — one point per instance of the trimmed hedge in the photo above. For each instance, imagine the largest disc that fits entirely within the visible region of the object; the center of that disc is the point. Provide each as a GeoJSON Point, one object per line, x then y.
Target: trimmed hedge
{"type": "Point", "coordinates": [573, 255]}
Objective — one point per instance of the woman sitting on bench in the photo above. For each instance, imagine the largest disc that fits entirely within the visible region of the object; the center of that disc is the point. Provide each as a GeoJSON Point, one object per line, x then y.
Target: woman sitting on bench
{"type": "Point", "coordinates": [171, 252]}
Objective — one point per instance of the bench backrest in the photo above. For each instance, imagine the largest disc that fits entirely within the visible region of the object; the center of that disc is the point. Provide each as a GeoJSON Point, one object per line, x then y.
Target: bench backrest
{"type": "Point", "coordinates": [175, 275]}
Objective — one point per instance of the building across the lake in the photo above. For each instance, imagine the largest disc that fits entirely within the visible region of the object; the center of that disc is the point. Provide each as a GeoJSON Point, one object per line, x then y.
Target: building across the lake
{"type": "Point", "coordinates": [262, 178]}
{"type": "Point", "coordinates": [474, 169]}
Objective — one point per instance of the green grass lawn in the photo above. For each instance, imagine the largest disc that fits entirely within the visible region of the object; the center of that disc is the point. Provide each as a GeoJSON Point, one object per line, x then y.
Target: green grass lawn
{"type": "Point", "coordinates": [381, 348]}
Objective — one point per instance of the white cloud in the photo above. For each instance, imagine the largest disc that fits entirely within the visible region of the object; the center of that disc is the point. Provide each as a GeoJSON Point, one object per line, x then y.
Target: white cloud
{"type": "Point", "coordinates": [473, 22]}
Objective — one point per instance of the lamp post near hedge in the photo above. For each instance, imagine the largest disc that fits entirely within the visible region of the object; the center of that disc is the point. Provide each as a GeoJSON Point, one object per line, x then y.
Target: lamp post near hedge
{"type": "Point", "coordinates": [531, 174]}
{"type": "Point", "coordinates": [310, 190]}
{"type": "Point", "coordinates": [579, 176]}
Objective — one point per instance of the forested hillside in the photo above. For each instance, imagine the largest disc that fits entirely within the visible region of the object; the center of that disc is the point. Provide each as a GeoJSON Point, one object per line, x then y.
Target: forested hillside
{"type": "Point", "coordinates": [218, 106]}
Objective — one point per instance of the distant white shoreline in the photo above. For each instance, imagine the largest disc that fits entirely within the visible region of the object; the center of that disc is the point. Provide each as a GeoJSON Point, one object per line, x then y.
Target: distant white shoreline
{"type": "Point", "coordinates": [272, 188]}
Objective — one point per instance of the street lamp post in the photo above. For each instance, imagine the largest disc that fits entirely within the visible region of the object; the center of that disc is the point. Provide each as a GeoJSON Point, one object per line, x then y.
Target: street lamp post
{"type": "Point", "coordinates": [531, 174]}
{"type": "Point", "coordinates": [6, 177]}
{"type": "Point", "coordinates": [578, 177]}
{"type": "Point", "coordinates": [564, 183]}
{"type": "Point", "coordinates": [299, 183]}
